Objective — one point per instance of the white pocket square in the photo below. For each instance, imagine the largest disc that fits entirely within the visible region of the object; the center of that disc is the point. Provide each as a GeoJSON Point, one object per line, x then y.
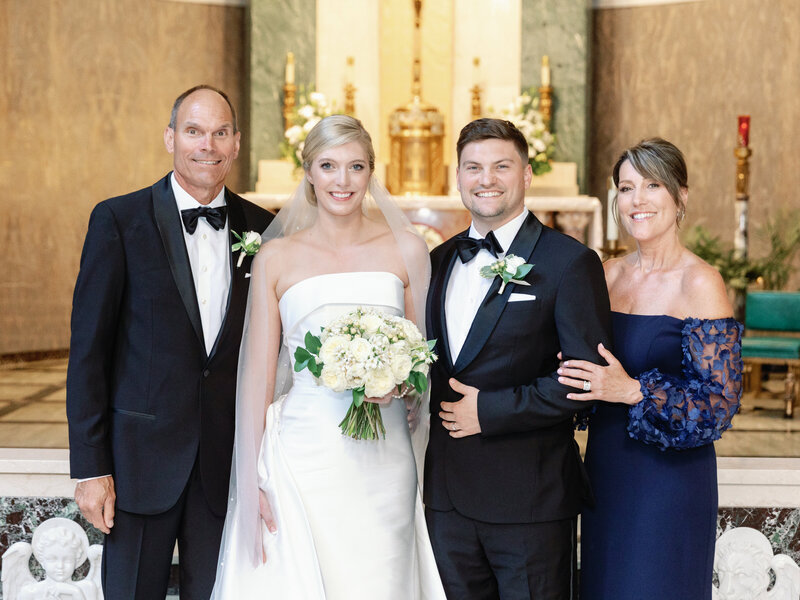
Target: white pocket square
{"type": "Point", "coordinates": [521, 297]}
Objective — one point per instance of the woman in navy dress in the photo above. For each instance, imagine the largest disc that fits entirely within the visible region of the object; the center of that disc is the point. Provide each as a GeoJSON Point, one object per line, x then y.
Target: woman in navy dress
{"type": "Point", "coordinates": [671, 389]}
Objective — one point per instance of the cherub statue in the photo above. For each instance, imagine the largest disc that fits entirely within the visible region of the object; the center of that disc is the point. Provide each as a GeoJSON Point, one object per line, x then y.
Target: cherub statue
{"type": "Point", "coordinates": [60, 546]}
{"type": "Point", "coordinates": [743, 561]}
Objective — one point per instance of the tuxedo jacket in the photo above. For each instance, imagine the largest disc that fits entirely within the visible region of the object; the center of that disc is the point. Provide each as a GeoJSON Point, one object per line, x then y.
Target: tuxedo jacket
{"type": "Point", "coordinates": [144, 398]}
{"type": "Point", "coordinates": [525, 465]}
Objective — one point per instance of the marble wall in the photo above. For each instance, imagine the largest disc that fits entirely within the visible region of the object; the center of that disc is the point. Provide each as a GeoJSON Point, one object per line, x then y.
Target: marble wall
{"type": "Point", "coordinates": [273, 29]}
{"type": "Point", "coordinates": [562, 30]}
{"type": "Point", "coordinates": [86, 92]}
{"type": "Point", "coordinates": [684, 72]}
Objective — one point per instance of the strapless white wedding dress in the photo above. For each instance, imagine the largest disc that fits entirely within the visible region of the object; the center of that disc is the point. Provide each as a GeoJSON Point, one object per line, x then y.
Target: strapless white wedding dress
{"type": "Point", "coordinates": [349, 513]}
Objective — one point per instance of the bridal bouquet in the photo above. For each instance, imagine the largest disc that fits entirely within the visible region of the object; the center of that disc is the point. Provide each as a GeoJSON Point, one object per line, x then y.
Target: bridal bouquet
{"type": "Point", "coordinates": [370, 353]}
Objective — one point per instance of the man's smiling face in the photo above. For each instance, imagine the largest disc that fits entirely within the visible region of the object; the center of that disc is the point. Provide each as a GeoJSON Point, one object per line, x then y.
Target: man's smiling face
{"type": "Point", "coordinates": [203, 144]}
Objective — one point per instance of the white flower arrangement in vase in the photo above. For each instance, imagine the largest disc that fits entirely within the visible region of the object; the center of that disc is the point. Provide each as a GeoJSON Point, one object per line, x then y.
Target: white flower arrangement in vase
{"type": "Point", "coordinates": [524, 113]}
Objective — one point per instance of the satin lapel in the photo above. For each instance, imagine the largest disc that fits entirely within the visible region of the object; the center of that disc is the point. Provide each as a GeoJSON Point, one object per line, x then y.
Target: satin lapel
{"type": "Point", "coordinates": [238, 223]}
{"type": "Point", "coordinates": [493, 303]}
{"type": "Point", "coordinates": [170, 227]}
{"type": "Point", "coordinates": [438, 317]}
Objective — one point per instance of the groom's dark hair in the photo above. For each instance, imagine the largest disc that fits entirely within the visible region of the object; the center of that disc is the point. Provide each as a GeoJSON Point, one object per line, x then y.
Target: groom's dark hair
{"type": "Point", "coordinates": [492, 129]}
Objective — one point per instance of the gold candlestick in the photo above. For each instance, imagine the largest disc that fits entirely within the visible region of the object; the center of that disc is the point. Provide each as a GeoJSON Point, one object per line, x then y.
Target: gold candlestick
{"type": "Point", "coordinates": [475, 100]}
{"type": "Point", "coordinates": [289, 91]}
{"type": "Point", "coordinates": [742, 155]}
{"type": "Point", "coordinates": [613, 249]}
{"type": "Point", "coordinates": [349, 89]}
{"type": "Point", "coordinates": [546, 93]}
{"type": "Point", "coordinates": [477, 110]}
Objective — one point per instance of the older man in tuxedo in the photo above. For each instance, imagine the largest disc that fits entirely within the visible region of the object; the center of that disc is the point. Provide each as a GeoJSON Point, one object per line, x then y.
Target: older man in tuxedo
{"type": "Point", "coordinates": [156, 325]}
{"type": "Point", "coordinates": [503, 476]}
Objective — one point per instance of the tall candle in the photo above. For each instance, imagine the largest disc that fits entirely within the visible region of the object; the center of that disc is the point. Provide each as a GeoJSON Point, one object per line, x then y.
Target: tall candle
{"type": "Point", "coordinates": [744, 130]}
{"type": "Point", "coordinates": [289, 68]}
{"type": "Point", "coordinates": [545, 71]}
{"type": "Point", "coordinates": [476, 70]}
{"type": "Point", "coordinates": [612, 229]}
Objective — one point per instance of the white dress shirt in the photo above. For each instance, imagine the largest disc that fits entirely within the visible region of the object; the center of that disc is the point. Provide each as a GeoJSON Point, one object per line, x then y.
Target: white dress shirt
{"type": "Point", "coordinates": [466, 288]}
{"type": "Point", "coordinates": [209, 257]}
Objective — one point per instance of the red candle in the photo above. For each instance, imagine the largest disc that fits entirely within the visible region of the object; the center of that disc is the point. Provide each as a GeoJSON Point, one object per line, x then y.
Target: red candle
{"type": "Point", "coordinates": [744, 130]}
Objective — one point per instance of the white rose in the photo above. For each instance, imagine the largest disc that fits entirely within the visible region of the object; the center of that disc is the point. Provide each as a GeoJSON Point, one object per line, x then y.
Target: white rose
{"type": "Point", "coordinates": [401, 367]}
{"type": "Point", "coordinates": [538, 145]}
{"type": "Point", "coordinates": [360, 349]}
{"type": "Point", "coordinates": [513, 263]}
{"type": "Point", "coordinates": [355, 375]}
{"type": "Point", "coordinates": [423, 368]}
{"type": "Point", "coordinates": [252, 237]}
{"type": "Point", "coordinates": [333, 379]}
{"type": "Point", "coordinates": [309, 125]}
{"type": "Point", "coordinates": [378, 383]}
{"type": "Point", "coordinates": [293, 134]}
{"type": "Point", "coordinates": [317, 98]}
{"type": "Point", "coordinates": [306, 111]}
{"type": "Point", "coordinates": [411, 332]}
{"type": "Point", "coordinates": [371, 323]}
{"type": "Point", "coordinates": [400, 347]}
{"type": "Point", "coordinates": [331, 347]}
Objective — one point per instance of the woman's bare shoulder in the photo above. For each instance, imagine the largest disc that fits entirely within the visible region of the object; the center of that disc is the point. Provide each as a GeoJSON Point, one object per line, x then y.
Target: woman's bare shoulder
{"type": "Point", "coordinates": [704, 290]}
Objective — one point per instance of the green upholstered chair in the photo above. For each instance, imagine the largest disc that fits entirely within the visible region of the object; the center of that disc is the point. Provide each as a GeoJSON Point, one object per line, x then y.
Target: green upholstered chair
{"type": "Point", "coordinates": [772, 336]}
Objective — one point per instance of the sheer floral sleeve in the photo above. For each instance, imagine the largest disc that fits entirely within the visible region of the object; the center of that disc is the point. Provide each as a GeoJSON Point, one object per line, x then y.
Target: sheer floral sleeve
{"type": "Point", "coordinates": [694, 409]}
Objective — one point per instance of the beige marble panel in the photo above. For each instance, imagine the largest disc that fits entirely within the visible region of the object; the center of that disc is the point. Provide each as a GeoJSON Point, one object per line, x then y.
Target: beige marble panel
{"type": "Point", "coordinates": [86, 92]}
{"type": "Point", "coordinates": [684, 72]}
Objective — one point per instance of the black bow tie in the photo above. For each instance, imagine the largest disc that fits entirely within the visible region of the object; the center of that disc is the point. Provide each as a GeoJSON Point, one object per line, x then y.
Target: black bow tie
{"type": "Point", "coordinates": [214, 216]}
{"type": "Point", "coordinates": [468, 247]}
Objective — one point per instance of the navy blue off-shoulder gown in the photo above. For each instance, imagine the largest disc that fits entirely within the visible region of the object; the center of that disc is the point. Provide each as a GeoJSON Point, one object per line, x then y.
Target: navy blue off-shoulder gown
{"type": "Point", "coordinates": [651, 533]}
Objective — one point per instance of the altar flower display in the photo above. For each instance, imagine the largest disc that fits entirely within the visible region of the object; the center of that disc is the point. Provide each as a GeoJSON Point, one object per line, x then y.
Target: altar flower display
{"type": "Point", "coordinates": [524, 113]}
{"type": "Point", "coordinates": [311, 108]}
{"type": "Point", "coordinates": [370, 353]}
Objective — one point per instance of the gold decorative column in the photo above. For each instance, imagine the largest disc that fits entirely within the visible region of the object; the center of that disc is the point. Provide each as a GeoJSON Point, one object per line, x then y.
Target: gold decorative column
{"type": "Point", "coordinates": [416, 133]}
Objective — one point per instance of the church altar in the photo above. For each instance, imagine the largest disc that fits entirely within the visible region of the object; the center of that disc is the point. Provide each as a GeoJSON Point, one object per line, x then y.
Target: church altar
{"type": "Point", "coordinates": [441, 217]}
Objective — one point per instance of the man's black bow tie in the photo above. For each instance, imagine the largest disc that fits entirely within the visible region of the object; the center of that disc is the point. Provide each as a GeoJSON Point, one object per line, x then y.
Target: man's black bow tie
{"type": "Point", "coordinates": [468, 247]}
{"type": "Point", "coordinates": [214, 216]}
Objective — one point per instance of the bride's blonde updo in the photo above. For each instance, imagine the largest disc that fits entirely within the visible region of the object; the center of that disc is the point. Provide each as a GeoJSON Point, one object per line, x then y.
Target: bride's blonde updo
{"type": "Point", "coordinates": [330, 132]}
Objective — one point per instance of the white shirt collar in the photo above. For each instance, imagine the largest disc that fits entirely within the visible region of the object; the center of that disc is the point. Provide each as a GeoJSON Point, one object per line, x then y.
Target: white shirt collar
{"type": "Point", "coordinates": [184, 200]}
{"type": "Point", "coordinates": [505, 234]}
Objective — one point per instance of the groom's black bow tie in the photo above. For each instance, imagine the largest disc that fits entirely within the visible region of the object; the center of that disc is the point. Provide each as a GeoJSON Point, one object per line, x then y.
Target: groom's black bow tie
{"type": "Point", "coordinates": [214, 216]}
{"type": "Point", "coordinates": [468, 247]}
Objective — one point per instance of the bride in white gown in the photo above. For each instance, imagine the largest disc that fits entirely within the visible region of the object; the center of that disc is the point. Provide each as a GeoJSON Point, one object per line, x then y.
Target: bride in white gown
{"type": "Point", "coordinates": [314, 514]}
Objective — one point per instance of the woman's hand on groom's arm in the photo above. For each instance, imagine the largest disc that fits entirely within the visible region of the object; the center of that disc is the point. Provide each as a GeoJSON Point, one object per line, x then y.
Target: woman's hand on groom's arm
{"type": "Point", "coordinates": [461, 418]}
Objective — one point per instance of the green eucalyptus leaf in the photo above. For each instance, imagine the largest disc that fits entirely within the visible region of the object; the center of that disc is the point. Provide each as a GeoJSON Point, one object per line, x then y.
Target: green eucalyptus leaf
{"type": "Point", "coordinates": [358, 396]}
{"type": "Point", "coordinates": [523, 271]}
{"type": "Point", "coordinates": [312, 343]}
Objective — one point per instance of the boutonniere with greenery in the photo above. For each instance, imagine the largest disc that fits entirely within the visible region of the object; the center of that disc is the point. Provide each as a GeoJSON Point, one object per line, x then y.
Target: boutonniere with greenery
{"type": "Point", "coordinates": [249, 244]}
{"type": "Point", "coordinates": [511, 269]}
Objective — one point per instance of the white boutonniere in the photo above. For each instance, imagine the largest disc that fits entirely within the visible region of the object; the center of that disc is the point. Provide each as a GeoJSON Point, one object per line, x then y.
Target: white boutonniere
{"type": "Point", "coordinates": [249, 244]}
{"type": "Point", "coordinates": [511, 269]}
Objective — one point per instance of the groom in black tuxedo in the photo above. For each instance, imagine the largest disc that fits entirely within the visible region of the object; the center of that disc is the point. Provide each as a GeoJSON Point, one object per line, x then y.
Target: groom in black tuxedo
{"type": "Point", "coordinates": [503, 475]}
{"type": "Point", "coordinates": [156, 325]}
